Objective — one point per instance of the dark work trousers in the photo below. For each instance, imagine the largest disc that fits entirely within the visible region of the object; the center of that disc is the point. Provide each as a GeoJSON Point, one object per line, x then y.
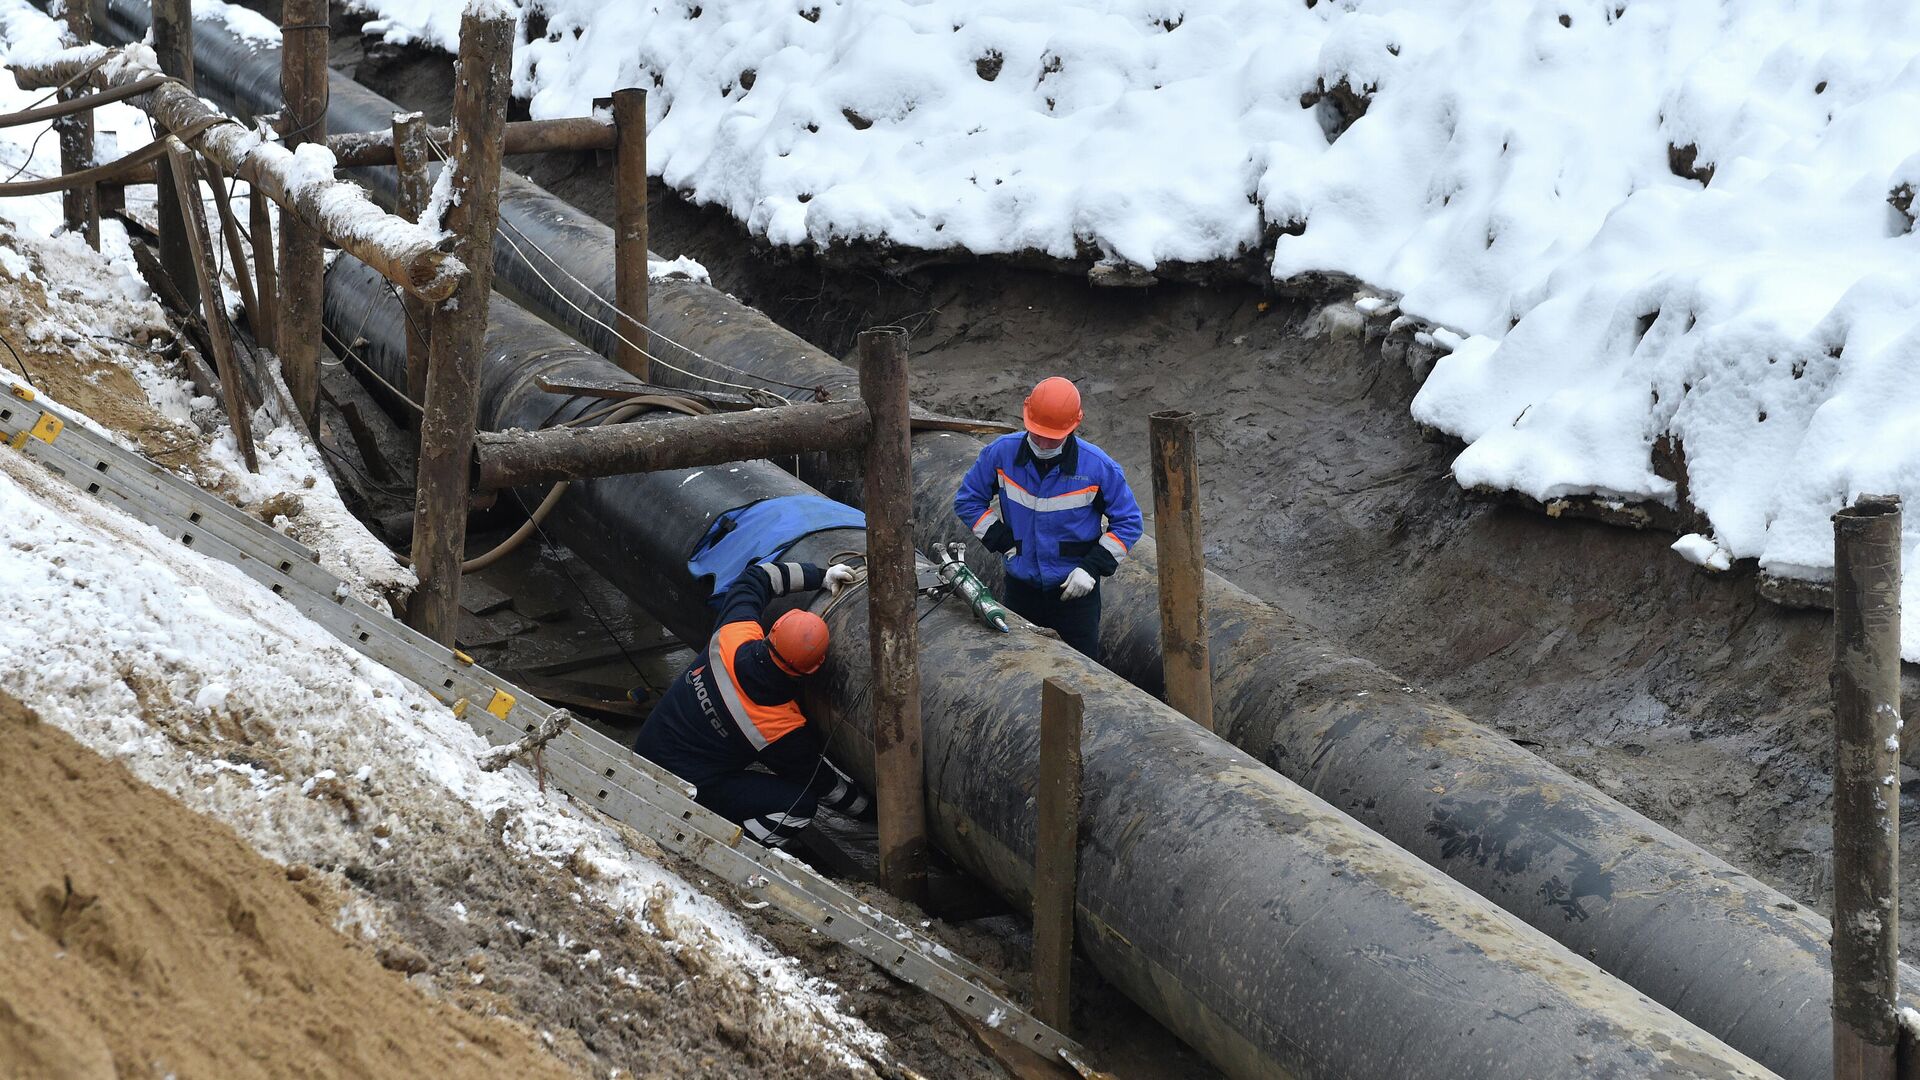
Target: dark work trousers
{"type": "Point", "coordinates": [1076, 621]}
{"type": "Point", "coordinates": [771, 806]}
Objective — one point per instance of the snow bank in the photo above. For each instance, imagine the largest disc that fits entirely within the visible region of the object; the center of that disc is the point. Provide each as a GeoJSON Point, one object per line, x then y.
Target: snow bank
{"type": "Point", "coordinates": [1515, 174]}
{"type": "Point", "coordinates": [213, 689]}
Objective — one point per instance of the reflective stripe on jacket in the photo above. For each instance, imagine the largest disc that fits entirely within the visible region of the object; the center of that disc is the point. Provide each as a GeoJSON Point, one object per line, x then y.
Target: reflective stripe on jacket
{"type": "Point", "coordinates": [761, 724]}
{"type": "Point", "coordinates": [734, 702]}
{"type": "Point", "coordinates": [1059, 515]}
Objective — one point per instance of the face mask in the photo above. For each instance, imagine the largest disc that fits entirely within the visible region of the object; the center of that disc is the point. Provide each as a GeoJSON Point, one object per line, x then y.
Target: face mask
{"type": "Point", "coordinates": [1044, 454]}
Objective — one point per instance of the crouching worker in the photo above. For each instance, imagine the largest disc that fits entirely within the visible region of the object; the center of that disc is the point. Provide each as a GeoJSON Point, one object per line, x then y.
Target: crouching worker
{"type": "Point", "coordinates": [734, 708]}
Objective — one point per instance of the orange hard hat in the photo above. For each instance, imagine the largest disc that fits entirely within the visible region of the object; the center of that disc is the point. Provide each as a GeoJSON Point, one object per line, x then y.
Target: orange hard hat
{"type": "Point", "coordinates": [1053, 409]}
{"type": "Point", "coordinates": [799, 642]}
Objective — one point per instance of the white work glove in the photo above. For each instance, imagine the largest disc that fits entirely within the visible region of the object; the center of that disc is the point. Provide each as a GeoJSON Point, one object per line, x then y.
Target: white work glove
{"type": "Point", "coordinates": [1079, 583]}
{"type": "Point", "coordinates": [838, 575]}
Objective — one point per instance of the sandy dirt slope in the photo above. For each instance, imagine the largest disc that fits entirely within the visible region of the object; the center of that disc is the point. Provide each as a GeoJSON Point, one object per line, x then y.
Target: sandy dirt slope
{"type": "Point", "coordinates": [147, 940]}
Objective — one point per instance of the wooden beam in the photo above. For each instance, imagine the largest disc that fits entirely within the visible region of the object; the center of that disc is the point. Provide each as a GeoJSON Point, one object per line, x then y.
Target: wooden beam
{"type": "Point", "coordinates": [173, 49]}
{"type": "Point", "coordinates": [1183, 567]}
{"type": "Point", "coordinates": [617, 389]}
{"type": "Point", "coordinates": [236, 253]}
{"type": "Point", "coordinates": [460, 322]}
{"type": "Point", "coordinates": [891, 622]}
{"type": "Point", "coordinates": [361, 149]}
{"type": "Point", "coordinates": [1866, 791]}
{"type": "Point", "coordinates": [630, 231]}
{"type": "Point", "coordinates": [411, 140]}
{"type": "Point", "coordinates": [213, 305]}
{"type": "Point", "coordinates": [402, 251]}
{"type": "Point", "coordinates": [303, 267]}
{"type": "Point", "coordinates": [80, 205]}
{"type": "Point", "coordinates": [1056, 860]}
{"type": "Point", "coordinates": [265, 269]}
{"type": "Point", "coordinates": [511, 459]}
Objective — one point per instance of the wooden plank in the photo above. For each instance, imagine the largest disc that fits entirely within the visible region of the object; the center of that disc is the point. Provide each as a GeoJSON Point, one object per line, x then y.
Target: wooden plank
{"type": "Point", "coordinates": [460, 323]}
{"type": "Point", "coordinates": [80, 204]}
{"type": "Point", "coordinates": [360, 149]}
{"type": "Point", "coordinates": [172, 32]}
{"type": "Point", "coordinates": [1184, 652]}
{"type": "Point", "coordinates": [303, 268]}
{"type": "Point", "coordinates": [630, 230]}
{"type": "Point", "coordinates": [892, 625]}
{"type": "Point", "coordinates": [512, 459]}
{"type": "Point", "coordinates": [411, 144]}
{"type": "Point", "coordinates": [626, 388]}
{"type": "Point", "coordinates": [1866, 804]}
{"type": "Point", "coordinates": [266, 270]}
{"type": "Point", "coordinates": [187, 184]}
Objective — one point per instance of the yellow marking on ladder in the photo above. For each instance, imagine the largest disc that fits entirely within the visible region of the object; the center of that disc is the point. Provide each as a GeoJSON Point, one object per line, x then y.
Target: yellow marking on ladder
{"type": "Point", "coordinates": [23, 392]}
{"type": "Point", "coordinates": [501, 705]}
{"type": "Point", "coordinates": [46, 429]}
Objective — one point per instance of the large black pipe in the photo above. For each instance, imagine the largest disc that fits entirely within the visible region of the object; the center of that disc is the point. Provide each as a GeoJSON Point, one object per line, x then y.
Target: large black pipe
{"type": "Point", "coordinates": [1737, 957]}
{"type": "Point", "coordinates": [1269, 930]}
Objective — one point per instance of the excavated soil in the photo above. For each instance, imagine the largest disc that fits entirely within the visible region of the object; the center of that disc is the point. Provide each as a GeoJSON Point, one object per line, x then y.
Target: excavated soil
{"type": "Point", "coordinates": [147, 940]}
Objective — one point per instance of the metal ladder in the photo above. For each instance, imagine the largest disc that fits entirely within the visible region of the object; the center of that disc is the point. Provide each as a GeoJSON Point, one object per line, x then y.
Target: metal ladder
{"type": "Point", "coordinates": [591, 768]}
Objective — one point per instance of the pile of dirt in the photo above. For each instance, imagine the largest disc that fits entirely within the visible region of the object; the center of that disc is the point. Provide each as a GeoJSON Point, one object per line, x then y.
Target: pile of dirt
{"type": "Point", "coordinates": [142, 939]}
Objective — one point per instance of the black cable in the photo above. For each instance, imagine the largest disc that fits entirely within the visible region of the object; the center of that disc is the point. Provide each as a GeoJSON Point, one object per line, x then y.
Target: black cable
{"type": "Point", "coordinates": [21, 362]}
{"type": "Point", "coordinates": [588, 600]}
{"type": "Point", "coordinates": [31, 148]}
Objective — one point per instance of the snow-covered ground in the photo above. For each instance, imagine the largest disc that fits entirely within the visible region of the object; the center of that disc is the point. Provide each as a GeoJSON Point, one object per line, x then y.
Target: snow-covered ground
{"type": "Point", "coordinates": [1513, 176]}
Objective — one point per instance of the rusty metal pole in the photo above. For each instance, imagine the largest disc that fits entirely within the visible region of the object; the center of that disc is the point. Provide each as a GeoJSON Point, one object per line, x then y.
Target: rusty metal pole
{"type": "Point", "coordinates": [213, 306]}
{"type": "Point", "coordinates": [630, 226]}
{"type": "Point", "coordinates": [1866, 787]}
{"type": "Point", "coordinates": [265, 270]}
{"type": "Point", "coordinates": [80, 204]}
{"type": "Point", "coordinates": [460, 322]}
{"type": "Point", "coordinates": [173, 48]}
{"type": "Point", "coordinates": [891, 581]}
{"type": "Point", "coordinates": [1056, 860]}
{"type": "Point", "coordinates": [411, 147]}
{"type": "Point", "coordinates": [1183, 567]}
{"type": "Point", "coordinates": [303, 85]}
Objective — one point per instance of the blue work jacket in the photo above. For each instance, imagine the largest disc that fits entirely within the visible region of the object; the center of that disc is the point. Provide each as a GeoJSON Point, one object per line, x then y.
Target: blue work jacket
{"type": "Point", "coordinates": [1074, 510]}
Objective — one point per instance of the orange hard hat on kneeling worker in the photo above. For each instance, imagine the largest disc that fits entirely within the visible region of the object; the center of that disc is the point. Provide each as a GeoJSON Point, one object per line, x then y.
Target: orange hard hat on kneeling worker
{"type": "Point", "coordinates": [1053, 409]}
{"type": "Point", "coordinates": [798, 641]}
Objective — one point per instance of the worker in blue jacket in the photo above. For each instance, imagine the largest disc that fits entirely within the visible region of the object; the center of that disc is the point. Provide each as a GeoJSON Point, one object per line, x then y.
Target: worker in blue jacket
{"type": "Point", "coordinates": [731, 726]}
{"type": "Point", "coordinates": [1059, 509]}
